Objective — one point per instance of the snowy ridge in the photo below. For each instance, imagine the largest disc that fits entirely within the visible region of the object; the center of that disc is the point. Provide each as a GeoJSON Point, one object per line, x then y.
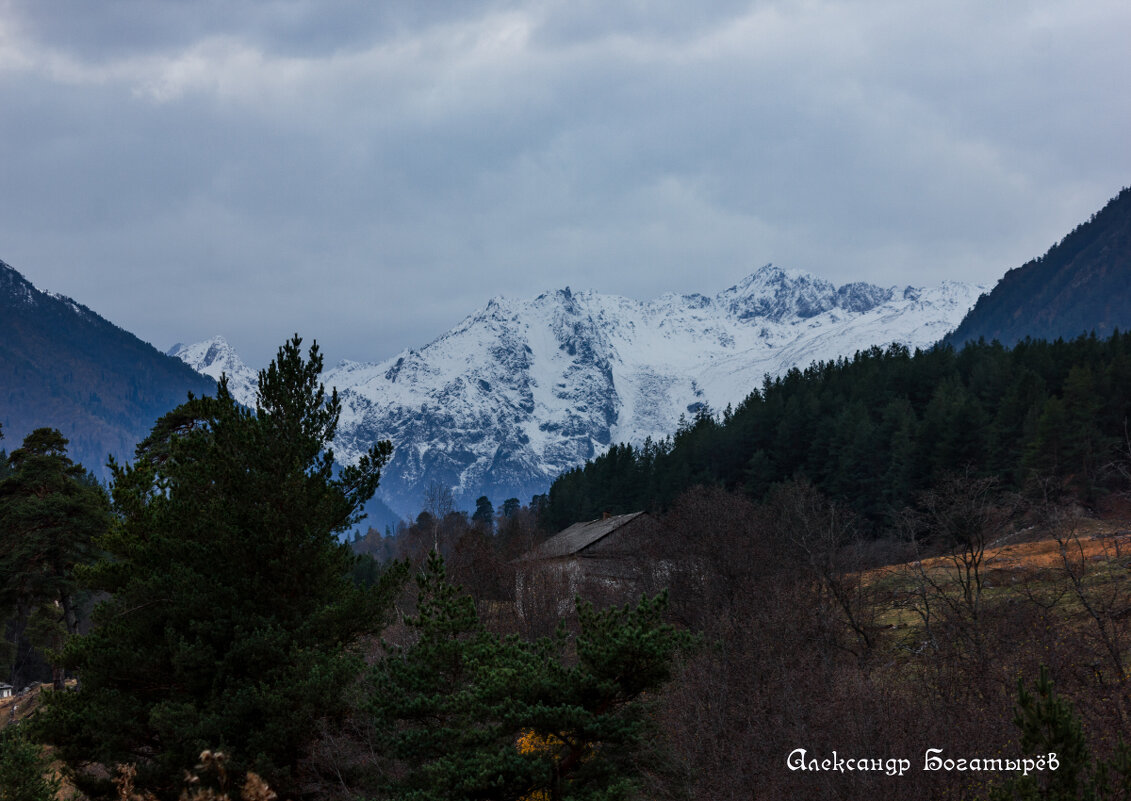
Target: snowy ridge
{"type": "Point", "coordinates": [526, 388]}
{"type": "Point", "coordinates": [18, 289]}
{"type": "Point", "coordinates": [215, 357]}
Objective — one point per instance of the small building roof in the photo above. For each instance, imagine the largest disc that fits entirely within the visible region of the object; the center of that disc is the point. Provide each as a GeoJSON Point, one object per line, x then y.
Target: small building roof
{"type": "Point", "coordinates": [579, 536]}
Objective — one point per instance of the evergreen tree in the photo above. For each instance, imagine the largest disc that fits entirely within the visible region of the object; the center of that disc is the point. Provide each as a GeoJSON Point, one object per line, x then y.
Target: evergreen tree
{"type": "Point", "coordinates": [51, 511]}
{"type": "Point", "coordinates": [1045, 454]}
{"type": "Point", "coordinates": [468, 714]}
{"type": "Point", "coordinates": [1086, 448]}
{"type": "Point", "coordinates": [1049, 726]}
{"type": "Point", "coordinates": [232, 614]}
{"type": "Point", "coordinates": [898, 427]}
{"type": "Point", "coordinates": [4, 468]}
{"type": "Point", "coordinates": [484, 515]}
{"type": "Point", "coordinates": [1007, 434]}
{"type": "Point", "coordinates": [25, 773]}
{"type": "Point", "coordinates": [511, 507]}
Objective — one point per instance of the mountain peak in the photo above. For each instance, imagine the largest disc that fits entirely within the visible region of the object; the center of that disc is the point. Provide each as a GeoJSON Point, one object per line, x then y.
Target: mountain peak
{"type": "Point", "coordinates": [14, 287]}
{"type": "Point", "coordinates": [777, 294]}
{"type": "Point", "coordinates": [781, 295]}
{"type": "Point", "coordinates": [770, 275]}
{"type": "Point", "coordinates": [215, 357]}
{"type": "Point", "coordinates": [66, 367]}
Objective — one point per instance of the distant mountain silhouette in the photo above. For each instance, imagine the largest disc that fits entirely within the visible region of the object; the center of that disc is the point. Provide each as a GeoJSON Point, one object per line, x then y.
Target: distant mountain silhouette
{"type": "Point", "coordinates": [1082, 284]}
{"type": "Point", "coordinates": [63, 366]}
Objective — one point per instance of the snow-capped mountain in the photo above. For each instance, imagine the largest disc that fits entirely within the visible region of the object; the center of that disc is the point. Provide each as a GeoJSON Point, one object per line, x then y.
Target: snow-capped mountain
{"type": "Point", "coordinates": [215, 357]}
{"type": "Point", "coordinates": [526, 388]}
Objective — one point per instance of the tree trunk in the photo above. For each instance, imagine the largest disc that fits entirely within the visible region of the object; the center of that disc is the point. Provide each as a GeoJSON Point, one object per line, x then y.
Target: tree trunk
{"type": "Point", "coordinates": [70, 614]}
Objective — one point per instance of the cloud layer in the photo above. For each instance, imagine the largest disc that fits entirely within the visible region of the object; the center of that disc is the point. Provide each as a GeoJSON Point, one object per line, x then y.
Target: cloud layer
{"type": "Point", "coordinates": [368, 173]}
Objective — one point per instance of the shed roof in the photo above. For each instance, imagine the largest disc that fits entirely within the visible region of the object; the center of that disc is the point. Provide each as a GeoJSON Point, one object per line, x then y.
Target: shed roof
{"type": "Point", "coordinates": [579, 536]}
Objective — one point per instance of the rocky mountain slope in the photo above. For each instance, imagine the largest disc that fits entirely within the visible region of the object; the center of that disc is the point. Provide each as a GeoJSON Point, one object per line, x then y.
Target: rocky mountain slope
{"type": "Point", "coordinates": [215, 357]}
{"type": "Point", "coordinates": [525, 388]}
{"type": "Point", "coordinates": [64, 366]}
{"type": "Point", "coordinates": [1082, 284]}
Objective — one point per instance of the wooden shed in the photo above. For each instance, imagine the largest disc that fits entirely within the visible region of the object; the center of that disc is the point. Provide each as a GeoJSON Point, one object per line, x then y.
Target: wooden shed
{"type": "Point", "coordinates": [605, 561]}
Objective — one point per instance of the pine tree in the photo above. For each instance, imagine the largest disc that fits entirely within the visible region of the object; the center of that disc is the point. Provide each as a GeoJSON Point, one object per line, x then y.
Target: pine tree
{"type": "Point", "coordinates": [51, 511]}
{"type": "Point", "coordinates": [232, 615]}
{"type": "Point", "coordinates": [1049, 726]}
{"type": "Point", "coordinates": [468, 714]}
{"type": "Point", "coordinates": [484, 515]}
{"type": "Point", "coordinates": [24, 769]}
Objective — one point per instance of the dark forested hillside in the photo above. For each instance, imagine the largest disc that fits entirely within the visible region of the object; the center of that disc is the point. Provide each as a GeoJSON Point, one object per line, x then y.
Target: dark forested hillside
{"type": "Point", "coordinates": [875, 430]}
{"type": "Point", "coordinates": [1081, 284]}
{"type": "Point", "coordinates": [63, 366]}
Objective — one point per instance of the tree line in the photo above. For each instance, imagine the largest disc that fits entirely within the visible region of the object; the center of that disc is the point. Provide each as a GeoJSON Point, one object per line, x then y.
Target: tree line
{"type": "Point", "coordinates": [875, 430]}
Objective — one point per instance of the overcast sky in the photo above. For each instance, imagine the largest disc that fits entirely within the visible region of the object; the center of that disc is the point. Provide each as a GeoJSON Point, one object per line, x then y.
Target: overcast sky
{"type": "Point", "coordinates": [369, 173]}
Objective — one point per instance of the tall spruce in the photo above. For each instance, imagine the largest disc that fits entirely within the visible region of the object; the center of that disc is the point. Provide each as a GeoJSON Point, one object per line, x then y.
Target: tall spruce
{"type": "Point", "coordinates": [231, 616]}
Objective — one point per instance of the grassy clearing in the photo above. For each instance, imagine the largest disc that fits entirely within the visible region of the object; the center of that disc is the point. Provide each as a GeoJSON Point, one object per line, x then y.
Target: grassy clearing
{"type": "Point", "coordinates": [1088, 558]}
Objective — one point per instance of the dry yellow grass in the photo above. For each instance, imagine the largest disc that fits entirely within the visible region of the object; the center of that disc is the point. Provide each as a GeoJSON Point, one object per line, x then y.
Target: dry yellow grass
{"type": "Point", "coordinates": [1101, 549]}
{"type": "Point", "coordinates": [1092, 540]}
{"type": "Point", "coordinates": [1045, 554]}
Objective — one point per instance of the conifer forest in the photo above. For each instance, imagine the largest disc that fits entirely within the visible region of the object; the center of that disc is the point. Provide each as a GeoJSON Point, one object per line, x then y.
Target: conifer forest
{"type": "Point", "coordinates": [896, 575]}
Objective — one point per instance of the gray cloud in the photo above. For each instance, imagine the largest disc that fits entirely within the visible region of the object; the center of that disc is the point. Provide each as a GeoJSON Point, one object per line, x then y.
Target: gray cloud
{"type": "Point", "coordinates": [368, 173]}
